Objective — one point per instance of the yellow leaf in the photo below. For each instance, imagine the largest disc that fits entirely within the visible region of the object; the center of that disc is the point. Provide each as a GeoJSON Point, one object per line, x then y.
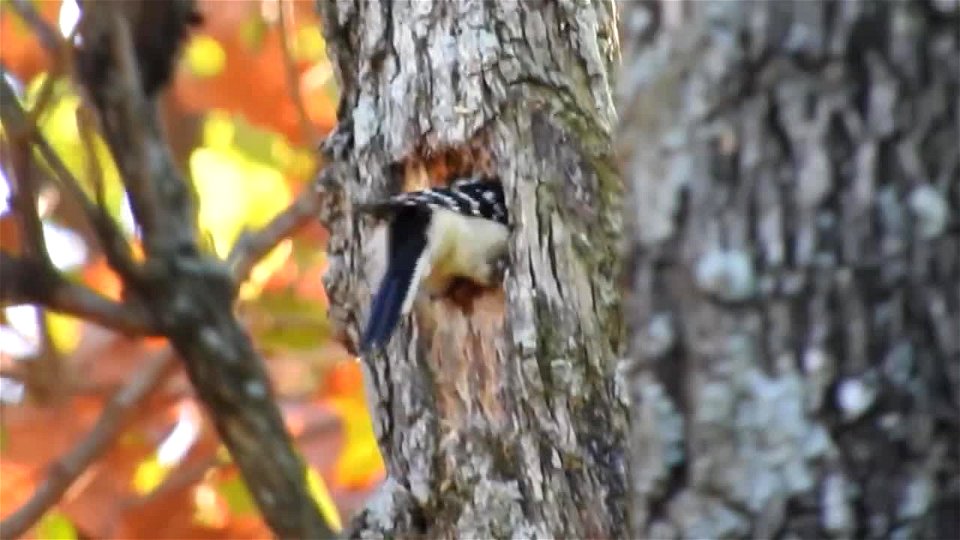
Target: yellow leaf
{"type": "Point", "coordinates": [281, 151]}
{"type": "Point", "coordinates": [64, 331]}
{"type": "Point", "coordinates": [360, 464]}
{"type": "Point", "coordinates": [308, 45]}
{"type": "Point", "coordinates": [235, 193]}
{"type": "Point", "coordinates": [205, 56]}
{"type": "Point", "coordinates": [303, 164]}
{"type": "Point", "coordinates": [55, 526]}
{"type": "Point", "coordinates": [58, 124]}
{"type": "Point", "coordinates": [261, 273]}
{"type": "Point", "coordinates": [219, 130]}
{"type": "Point", "coordinates": [236, 495]}
{"type": "Point", "coordinates": [149, 474]}
{"type": "Point", "coordinates": [318, 490]}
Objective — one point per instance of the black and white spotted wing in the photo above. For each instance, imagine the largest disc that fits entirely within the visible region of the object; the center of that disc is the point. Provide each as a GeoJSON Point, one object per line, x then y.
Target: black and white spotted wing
{"type": "Point", "coordinates": [470, 197]}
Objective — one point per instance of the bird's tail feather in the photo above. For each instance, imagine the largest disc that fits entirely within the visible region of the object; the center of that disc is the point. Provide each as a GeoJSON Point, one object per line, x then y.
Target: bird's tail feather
{"type": "Point", "coordinates": [384, 314]}
{"type": "Point", "coordinates": [396, 285]}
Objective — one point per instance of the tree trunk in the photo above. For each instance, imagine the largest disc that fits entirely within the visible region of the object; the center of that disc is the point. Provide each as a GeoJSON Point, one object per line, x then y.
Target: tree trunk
{"type": "Point", "coordinates": [795, 267]}
{"type": "Point", "coordinates": [499, 419]}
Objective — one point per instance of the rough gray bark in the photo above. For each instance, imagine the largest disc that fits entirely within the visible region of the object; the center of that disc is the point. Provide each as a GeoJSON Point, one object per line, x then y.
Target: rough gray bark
{"type": "Point", "coordinates": [504, 420]}
{"type": "Point", "coordinates": [794, 178]}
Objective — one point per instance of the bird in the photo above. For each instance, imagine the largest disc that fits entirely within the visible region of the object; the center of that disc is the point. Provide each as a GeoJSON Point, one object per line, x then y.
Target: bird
{"type": "Point", "coordinates": [433, 237]}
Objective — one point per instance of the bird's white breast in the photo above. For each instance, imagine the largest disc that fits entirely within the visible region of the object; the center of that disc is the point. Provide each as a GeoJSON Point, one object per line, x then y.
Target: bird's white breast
{"type": "Point", "coordinates": [463, 246]}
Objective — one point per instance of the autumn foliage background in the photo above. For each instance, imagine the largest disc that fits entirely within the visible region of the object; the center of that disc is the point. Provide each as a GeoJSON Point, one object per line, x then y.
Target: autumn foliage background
{"type": "Point", "coordinates": [252, 97]}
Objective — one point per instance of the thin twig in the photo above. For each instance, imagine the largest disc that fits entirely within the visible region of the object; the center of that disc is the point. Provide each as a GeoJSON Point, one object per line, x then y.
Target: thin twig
{"type": "Point", "coordinates": [24, 200]}
{"type": "Point", "coordinates": [80, 301]}
{"type": "Point", "coordinates": [56, 46]}
{"type": "Point", "coordinates": [251, 247]}
{"type": "Point", "coordinates": [115, 246]}
{"type": "Point", "coordinates": [119, 254]}
{"type": "Point", "coordinates": [44, 96]}
{"type": "Point", "coordinates": [293, 84]}
{"type": "Point", "coordinates": [65, 470]}
{"type": "Point", "coordinates": [134, 161]}
{"type": "Point", "coordinates": [44, 373]}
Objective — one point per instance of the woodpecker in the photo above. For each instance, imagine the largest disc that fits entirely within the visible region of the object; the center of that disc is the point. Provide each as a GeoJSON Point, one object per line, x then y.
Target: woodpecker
{"type": "Point", "coordinates": [434, 236]}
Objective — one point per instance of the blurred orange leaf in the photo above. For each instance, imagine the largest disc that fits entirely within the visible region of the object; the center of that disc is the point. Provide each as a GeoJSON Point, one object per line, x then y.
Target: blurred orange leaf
{"type": "Point", "coordinates": [100, 277]}
{"type": "Point", "coordinates": [345, 379]}
{"type": "Point", "coordinates": [9, 234]}
{"type": "Point", "coordinates": [319, 95]}
{"type": "Point", "coordinates": [254, 60]}
{"type": "Point", "coordinates": [20, 50]}
{"type": "Point", "coordinates": [310, 282]}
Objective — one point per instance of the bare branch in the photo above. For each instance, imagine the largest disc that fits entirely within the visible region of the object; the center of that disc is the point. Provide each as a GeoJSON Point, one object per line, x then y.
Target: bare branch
{"type": "Point", "coordinates": [131, 47]}
{"type": "Point", "coordinates": [24, 199]}
{"type": "Point", "coordinates": [251, 247]}
{"type": "Point", "coordinates": [65, 470]}
{"type": "Point", "coordinates": [114, 245]}
{"type": "Point", "coordinates": [27, 281]}
{"type": "Point", "coordinates": [159, 198]}
{"type": "Point", "coordinates": [80, 301]}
